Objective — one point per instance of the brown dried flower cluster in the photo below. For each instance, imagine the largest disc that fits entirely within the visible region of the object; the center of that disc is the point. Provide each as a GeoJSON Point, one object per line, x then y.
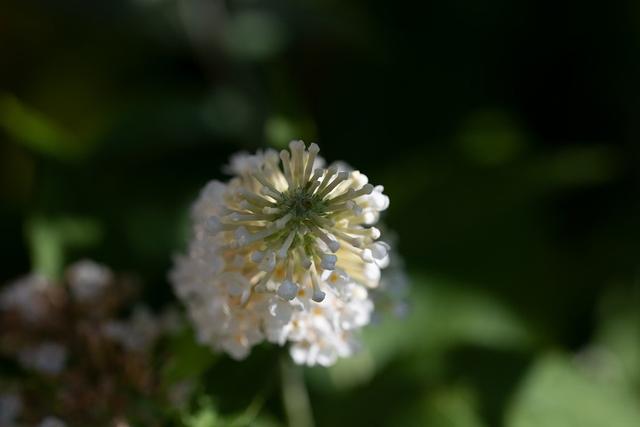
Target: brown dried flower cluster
{"type": "Point", "coordinates": [71, 351]}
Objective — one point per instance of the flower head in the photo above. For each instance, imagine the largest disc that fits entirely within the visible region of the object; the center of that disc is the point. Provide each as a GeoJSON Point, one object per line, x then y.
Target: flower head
{"type": "Point", "coordinates": [279, 252]}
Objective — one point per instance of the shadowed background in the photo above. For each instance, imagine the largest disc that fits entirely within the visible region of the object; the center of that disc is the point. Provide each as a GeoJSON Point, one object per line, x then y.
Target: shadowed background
{"type": "Point", "coordinates": [505, 134]}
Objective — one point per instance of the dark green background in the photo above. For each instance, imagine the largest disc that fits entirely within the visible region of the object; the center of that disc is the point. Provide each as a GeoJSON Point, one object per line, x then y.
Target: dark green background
{"type": "Point", "coordinates": [505, 133]}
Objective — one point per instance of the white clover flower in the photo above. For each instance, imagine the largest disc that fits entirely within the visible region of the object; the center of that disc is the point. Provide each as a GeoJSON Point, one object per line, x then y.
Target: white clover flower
{"type": "Point", "coordinates": [284, 252]}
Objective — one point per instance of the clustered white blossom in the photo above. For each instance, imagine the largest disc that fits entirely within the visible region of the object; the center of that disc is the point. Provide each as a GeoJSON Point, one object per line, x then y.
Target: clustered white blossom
{"type": "Point", "coordinates": [28, 296]}
{"type": "Point", "coordinates": [142, 329]}
{"type": "Point", "coordinates": [88, 279]}
{"type": "Point", "coordinates": [285, 252]}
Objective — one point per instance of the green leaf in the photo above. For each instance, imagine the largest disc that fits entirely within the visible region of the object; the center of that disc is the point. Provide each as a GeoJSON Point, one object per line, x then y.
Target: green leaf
{"type": "Point", "coordinates": [279, 130]}
{"type": "Point", "coordinates": [613, 359]}
{"type": "Point", "coordinates": [556, 393]}
{"type": "Point", "coordinates": [577, 166]}
{"type": "Point", "coordinates": [254, 35]}
{"type": "Point", "coordinates": [189, 359]}
{"type": "Point", "coordinates": [443, 314]}
{"type": "Point", "coordinates": [35, 130]}
{"type": "Point", "coordinates": [491, 137]}
{"type": "Point", "coordinates": [48, 239]}
{"type": "Point", "coordinates": [205, 416]}
{"type": "Point", "coordinates": [454, 406]}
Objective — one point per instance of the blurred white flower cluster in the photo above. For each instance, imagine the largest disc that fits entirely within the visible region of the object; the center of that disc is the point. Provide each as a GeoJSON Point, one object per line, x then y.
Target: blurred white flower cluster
{"type": "Point", "coordinates": [88, 280]}
{"type": "Point", "coordinates": [143, 328]}
{"type": "Point", "coordinates": [285, 252]}
{"type": "Point", "coordinates": [29, 296]}
{"type": "Point", "coordinates": [69, 335]}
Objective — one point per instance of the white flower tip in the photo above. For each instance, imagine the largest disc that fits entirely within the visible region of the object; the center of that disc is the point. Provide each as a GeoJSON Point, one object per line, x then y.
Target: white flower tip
{"type": "Point", "coordinates": [375, 233]}
{"type": "Point", "coordinates": [296, 144]}
{"type": "Point", "coordinates": [383, 263]}
{"type": "Point", "coordinates": [235, 289]}
{"type": "Point", "coordinates": [287, 290]}
{"type": "Point", "coordinates": [244, 297]}
{"type": "Point", "coordinates": [281, 222]}
{"type": "Point", "coordinates": [306, 263]}
{"type": "Point", "coordinates": [334, 245]}
{"type": "Point", "coordinates": [284, 155]}
{"type": "Point", "coordinates": [257, 256]}
{"type": "Point", "coordinates": [318, 295]}
{"type": "Point", "coordinates": [328, 261]}
{"type": "Point", "coordinates": [370, 217]}
{"type": "Point", "coordinates": [372, 272]}
{"type": "Point", "coordinates": [367, 255]}
{"type": "Point", "coordinates": [242, 234]}
{"type": "Point", "coordinates": [359, 177]}
{"type": "Point", "coordinates": [379, 200]}
{"type": "Point", "coordinates": [313, 148]}
{"type": "Point", "coordinates": [354, 207]}
{"type": "Point", "coordinates": [268, 262]}
{"type": "Point", "coordinates": [380, 250]}
{"type": "Point", "coordinates": [265, 191]}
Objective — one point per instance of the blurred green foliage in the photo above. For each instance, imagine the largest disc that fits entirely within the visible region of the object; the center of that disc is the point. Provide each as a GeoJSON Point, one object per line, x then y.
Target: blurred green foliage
{"type": "Point", "coordinates": [49, 238]}
{"type": "Point", "coordinates": [505, 134]}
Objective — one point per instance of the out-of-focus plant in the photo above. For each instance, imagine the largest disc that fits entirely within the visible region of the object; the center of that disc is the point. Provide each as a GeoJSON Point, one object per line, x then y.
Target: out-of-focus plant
{"type": "Point", "coordinates": [75, 357]}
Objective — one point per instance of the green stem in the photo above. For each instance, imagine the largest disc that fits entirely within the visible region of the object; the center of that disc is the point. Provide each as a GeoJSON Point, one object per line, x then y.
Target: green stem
{"type": "Point", "coordinates": [294, 394]}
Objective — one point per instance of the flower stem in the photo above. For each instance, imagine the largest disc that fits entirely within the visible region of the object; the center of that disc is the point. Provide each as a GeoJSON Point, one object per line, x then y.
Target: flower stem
{"type": "Point", "coordinates": [294, 394]}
